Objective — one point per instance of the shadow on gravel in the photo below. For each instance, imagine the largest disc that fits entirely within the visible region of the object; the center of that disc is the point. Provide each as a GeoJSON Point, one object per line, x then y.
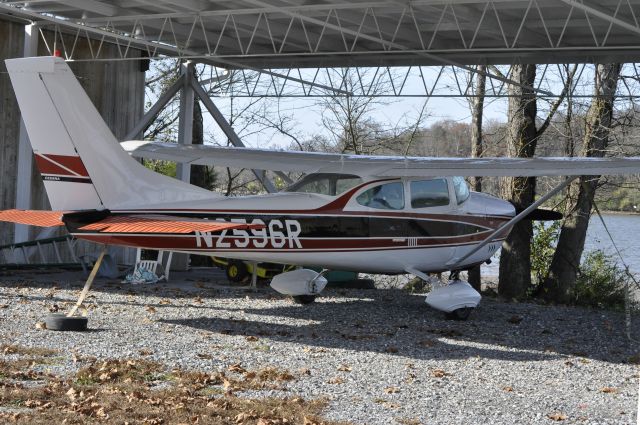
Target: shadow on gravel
{"type": "Point", "coordinates": [376, 321]}
{"type": "Point", "coordinates": [405, 326]}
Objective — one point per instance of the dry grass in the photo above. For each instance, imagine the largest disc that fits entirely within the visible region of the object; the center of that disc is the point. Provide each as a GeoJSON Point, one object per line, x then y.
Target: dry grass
{"type": "Point", "coordinates": [138, 391]}
{"type": "Point", "coordinates": [27, 351]}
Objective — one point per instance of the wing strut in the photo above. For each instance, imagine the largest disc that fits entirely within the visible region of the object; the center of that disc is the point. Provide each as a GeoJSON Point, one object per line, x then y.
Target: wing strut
{"type": "Point", "coordinates": [454, 263]}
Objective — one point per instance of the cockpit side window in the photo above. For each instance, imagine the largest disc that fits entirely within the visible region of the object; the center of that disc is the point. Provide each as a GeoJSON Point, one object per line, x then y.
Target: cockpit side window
{"type": "Point", "coordinates": [325, 184]}
{"type": "Point", "coordinates": [461, 189]}
{"type": "Point", "coordinates": [429, 193]}
{"type": "Point", "coordinates": [389, 196]}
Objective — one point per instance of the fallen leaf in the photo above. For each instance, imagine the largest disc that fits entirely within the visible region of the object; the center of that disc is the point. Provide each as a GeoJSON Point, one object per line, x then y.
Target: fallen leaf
{"type": "Point", "coordinates": [237, 368]}
{"type": "Point", "coordinates": [4, 305]}
{"type": "Point", "coordinates": [608, 390]}
{"type": "Point", "coordinates": [165, 302]}
{"type": "Point", "coordinates": [507, 389]}
{"type": "Point", "coordinates": [304, 371]}
{"type": "Point", "coordinates": [515, 319]}
{"type": "Point", "coordinates": [438, 373]}
{"type": "Point", "coordinates": [392, 390]}
{"type": "Point", "coordinates": [71, 394]}
{"type": "Point", "coordinates": [557, 416]}
{"type": "Point", "coordinates": [344, 368]}
{"type": "Point", "coordinates": [251, 338]}
{"type": "Point", "coordinates": [151, 309]}
{"type": "Point", "coordinates": [145, 352]}
{"type": "Point", "coordinates": [336, 380]}
{"type": "Point", "coordinates": [204, 356]}
{"type": "Point", "coordinates": [243, 417]}
{"type": "Point", "coordinates": [41, 325]}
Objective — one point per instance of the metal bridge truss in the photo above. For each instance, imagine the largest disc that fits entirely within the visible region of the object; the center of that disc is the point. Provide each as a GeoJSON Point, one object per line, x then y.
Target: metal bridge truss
{"type": "Point", "coordinates": [289, 34]}
{"type": "Point", "coordinates": [379, 81]}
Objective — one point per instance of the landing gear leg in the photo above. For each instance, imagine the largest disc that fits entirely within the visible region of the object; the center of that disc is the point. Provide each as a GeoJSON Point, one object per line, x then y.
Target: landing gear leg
{"type": "Point", "coordinates": [71, 322]}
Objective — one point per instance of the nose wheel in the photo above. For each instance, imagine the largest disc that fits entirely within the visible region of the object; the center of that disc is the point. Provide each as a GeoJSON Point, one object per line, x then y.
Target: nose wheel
{"type": "Point", "coordinates": [304, 299]}
{"type": "Point", "coordinates": [459, 314]}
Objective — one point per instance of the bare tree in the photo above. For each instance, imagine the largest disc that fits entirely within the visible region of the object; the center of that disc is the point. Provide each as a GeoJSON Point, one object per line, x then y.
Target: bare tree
{"type": "Point", "coordinates": [347, 118]}
{"type": "Point", "coordinates": [476, 105]}
{"type": "Point", "coordinates": [515, 258]}
{"type": "Point", "coordinates": [566, 260]}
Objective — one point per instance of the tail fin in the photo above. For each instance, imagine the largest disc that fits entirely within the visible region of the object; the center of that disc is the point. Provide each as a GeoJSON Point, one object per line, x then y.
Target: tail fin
{"type": "Point", "coordinates": [81, 162]}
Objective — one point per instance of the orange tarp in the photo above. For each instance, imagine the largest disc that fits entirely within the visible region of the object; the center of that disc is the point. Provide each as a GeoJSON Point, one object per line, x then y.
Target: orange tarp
{"type": "Point", "coordinates": [161, 224]}
{"type": "Point", "coordinates": [33, 218]}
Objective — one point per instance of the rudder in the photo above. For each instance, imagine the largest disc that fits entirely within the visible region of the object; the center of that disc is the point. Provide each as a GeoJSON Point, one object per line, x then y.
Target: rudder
{"type": "Point", "coordinates": [81, 162]}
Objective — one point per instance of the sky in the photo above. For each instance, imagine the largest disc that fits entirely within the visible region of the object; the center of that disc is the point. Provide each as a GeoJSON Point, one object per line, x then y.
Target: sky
{"type": "Point", "coordinates": [307, 113]}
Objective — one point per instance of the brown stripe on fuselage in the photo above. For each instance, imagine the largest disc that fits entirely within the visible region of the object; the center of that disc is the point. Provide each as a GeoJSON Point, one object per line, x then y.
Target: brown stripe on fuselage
{"type": "Point", "coordinates": [62, 165]}
{"type": "Point", "coordinates": [173, 242]}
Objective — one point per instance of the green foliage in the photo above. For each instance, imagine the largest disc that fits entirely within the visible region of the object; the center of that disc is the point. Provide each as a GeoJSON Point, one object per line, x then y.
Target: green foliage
{"type": "Point", "coordinates": [601, 282]}
{"type": "Point", "coordinates": [417, 286]}
{"type": "Point", "coordinates": [623, 199]}
{"type": "Point", "coordinates": [543, 246]}
{"type": "Point", "coordinates": [167, 168]}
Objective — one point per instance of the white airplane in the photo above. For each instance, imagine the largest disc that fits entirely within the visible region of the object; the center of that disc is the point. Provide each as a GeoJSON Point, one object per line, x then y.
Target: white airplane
{"type": "Point", "coordinates": [361, 213]}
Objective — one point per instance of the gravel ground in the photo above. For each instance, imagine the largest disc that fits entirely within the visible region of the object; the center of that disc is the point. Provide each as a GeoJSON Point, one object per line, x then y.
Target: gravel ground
{"type": "Point", "coordinates": [379, 356]}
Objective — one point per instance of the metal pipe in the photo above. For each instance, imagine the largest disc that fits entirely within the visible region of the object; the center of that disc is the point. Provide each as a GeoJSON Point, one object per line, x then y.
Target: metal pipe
{"type": "Point", "coordinates": [151, 114]}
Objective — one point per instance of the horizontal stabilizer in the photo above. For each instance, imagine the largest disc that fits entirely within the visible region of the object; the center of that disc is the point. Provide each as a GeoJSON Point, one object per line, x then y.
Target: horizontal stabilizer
{"type": "Point", "coordinates": [161, 224]}
{"type": "Point", "coordinates": [33, 218]}
{"type": "Point", "coordinates": [392, 166]}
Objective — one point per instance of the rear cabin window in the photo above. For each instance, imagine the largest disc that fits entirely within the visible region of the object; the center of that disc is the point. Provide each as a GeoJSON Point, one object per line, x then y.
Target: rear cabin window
{"type": "Point", "coordinates": [325, 184]}
{"type": "Point", "coordinates": [429, 193]}
{"type": "Point", "coordinates": [388, 196]}
{"type": "Point", "coordinates": [461, 189]}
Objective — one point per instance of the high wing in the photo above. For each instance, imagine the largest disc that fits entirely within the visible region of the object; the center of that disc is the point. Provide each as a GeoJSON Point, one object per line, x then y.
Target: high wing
{"type": "Point", "coordinates": [314, 162]}
{"type": "Point", "coordinates": [140, 223]}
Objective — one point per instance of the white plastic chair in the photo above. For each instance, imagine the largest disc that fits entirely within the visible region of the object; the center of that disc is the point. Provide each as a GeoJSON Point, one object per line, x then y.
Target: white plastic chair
{"type": "Point", "coordinates": [154, 265]}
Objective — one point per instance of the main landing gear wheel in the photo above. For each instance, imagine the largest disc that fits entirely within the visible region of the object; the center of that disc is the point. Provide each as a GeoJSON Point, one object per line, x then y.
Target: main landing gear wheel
{"type": "Point", "coordinates": [459, 314]}
{"type": "Point", "coordinates": [236, 271]}
{"type": "Point", "coordinates": [60, 322]}
{"type": "Point", "coordinates": [303, 299]}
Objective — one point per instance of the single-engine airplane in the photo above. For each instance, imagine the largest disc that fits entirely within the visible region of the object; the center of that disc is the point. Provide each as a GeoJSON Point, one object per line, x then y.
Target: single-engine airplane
{"type": "Point", "coordinates": [362, 213]}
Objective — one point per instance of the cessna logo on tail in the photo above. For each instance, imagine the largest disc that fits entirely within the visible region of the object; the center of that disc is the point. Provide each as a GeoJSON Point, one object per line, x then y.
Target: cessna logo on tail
{"type": "Point", "coordinates": [279, 233]}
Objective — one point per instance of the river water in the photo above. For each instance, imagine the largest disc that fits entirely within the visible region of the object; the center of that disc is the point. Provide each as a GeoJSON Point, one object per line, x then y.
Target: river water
{"type": "Point", "coordinates": [625, 229]}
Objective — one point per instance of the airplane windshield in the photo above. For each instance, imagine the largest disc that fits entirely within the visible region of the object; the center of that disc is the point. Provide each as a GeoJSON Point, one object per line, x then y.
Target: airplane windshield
{"type": "Point", "coordinates": [325, 184]}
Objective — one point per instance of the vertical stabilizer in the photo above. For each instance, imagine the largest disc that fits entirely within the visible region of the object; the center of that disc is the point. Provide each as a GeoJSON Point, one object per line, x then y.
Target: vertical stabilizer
{"type": "Point", "coordinates": [81, 162]}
